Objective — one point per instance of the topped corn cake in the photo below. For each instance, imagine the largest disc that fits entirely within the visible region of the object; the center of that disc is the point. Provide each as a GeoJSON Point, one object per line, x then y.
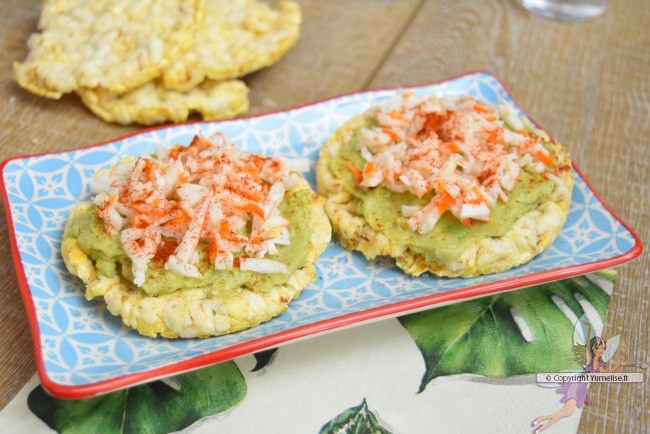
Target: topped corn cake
{"type": "Point", "coordinates": [198, 240]}
{"type": "Point", "coordinates": [451, 186]}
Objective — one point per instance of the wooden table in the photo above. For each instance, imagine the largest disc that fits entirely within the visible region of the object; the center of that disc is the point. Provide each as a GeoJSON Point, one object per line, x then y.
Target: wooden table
{"type": "Point", "coordinates": [587, 83]}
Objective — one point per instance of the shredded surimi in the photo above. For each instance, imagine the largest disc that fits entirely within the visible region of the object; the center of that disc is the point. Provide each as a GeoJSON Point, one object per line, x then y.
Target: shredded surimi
{"type": "Point", "coordinates": [468, 154]}
{"type": "Point", "coordinates": [208, 192]}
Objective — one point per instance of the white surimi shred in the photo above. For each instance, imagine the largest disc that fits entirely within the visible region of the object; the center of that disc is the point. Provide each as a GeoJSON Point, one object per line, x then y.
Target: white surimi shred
{"type": "Point", "coordinates": [267, 266]}
{"type": "Point", "coordinates": [300, 165]}
{"type": "Point", "coordinates": [181, 267]}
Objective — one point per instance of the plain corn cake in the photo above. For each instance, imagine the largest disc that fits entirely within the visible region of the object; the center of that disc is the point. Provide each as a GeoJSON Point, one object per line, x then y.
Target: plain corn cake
{"type": "Point", "coordinates": [152, 104]}
{"type": "Point", "coordinates": [235, 38]}
{"type": "Point", "coordinates": [117, 46]}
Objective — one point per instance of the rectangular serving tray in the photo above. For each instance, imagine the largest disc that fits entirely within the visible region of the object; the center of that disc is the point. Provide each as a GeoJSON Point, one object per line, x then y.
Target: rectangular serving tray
{"type": "Point", "coordinates": [82, 350]}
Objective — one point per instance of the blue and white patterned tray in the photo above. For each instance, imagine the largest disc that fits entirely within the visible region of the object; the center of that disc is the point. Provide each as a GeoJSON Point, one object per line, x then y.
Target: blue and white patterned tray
{"type": "Point", "coordinates": [83, 350]}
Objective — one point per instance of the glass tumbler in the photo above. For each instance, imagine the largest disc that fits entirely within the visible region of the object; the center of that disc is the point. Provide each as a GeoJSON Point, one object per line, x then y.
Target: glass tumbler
{"type": "Point", "coordinates": [566, 10]}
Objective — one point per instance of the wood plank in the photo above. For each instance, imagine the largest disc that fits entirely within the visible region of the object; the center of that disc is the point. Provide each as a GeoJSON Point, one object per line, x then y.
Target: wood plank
{"type": "Point", "coordinates": [588, 85]}
{"type": "Point", "coordinates": [338, 51]}
{"type": "Point", "coordinates": [342, 44]}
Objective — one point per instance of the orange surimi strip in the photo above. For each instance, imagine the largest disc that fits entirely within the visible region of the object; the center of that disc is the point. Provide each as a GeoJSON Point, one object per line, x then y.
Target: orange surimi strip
{"type": "Point", "coordinates": [396, 115]}
{"type": "Point", "coordinates": [392, 134]}
{"type": "Point", "coordinates": [452, 146]}
{"type": "Point", "coordinates": [140, 221]}
{"type": "Point", "coordinates": [177, 221]}
{"type": "Point", "coordinates": [212, 249]}
{"type": "Point", "coordinates": [369, 168]}
{"type": "Point", "coordinates": [358, 176]}
{"type": "Point", "coordinates": [250, 195]}
{"type": "Point", "coordinates": [479, 196]}
{"type": "Point", "coordinates": [254, 173]}
{"type": "Point", "coordinates": [480, 108]}
{"type": "Point", "coordinates": [251, 208]}
{"type": "Point", "coordinates": [148, 170]}
{"type": "Point", "coordinates": [175, 152]}
{"type": "Point", "coordinates": [444, 203]}
{"type": "Point", "coordinates": [223, 229]}
{"type": "Point", "coordinates": [544, 158]}
{"type": "Point", "coordinates": [145, 208]}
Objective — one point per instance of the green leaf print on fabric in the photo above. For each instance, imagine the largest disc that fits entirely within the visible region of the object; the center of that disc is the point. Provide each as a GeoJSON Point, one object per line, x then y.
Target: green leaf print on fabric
{"type": "Point", "coordinates": [355, 420]}
{"type": "Point", "coordinates": [150, 408]}
{"type": "Point", "coordinates": [520, 332]}
{"type": "Point", "coordinates": [263, 358]}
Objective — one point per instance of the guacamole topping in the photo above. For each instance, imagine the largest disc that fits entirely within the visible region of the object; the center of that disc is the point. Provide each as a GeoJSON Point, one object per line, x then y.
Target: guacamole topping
{"type": "Point", "coordinates": [111, 260]}
{"type": "Point", "coordinates": [440, 175]}
{"type": "Point", "coordinates": [193, 216]}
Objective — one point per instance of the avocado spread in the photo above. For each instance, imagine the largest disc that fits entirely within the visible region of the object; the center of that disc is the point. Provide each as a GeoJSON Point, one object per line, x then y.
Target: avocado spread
{"type": "Point", "coordinates": [449, 238]}
{"type": "Point", "coordinates": [110, 258]}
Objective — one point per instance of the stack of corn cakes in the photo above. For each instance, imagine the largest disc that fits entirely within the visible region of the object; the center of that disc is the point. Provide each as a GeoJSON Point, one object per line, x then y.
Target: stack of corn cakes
{"type": "Point", "coordinates": [156, 61]}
